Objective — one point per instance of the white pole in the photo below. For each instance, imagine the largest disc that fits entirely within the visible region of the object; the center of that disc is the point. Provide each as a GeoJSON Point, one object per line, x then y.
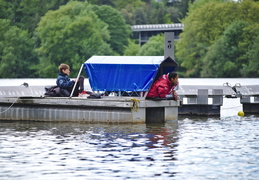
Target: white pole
{"type": "Point", "coordinates": [77, 80]}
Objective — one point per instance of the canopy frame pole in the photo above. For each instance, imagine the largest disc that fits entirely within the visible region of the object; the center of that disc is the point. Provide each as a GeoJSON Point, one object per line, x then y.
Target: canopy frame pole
{"type": "Point", "coordinates": [76, 80]}
{"type": "Point", "coordinates": [146, 94]}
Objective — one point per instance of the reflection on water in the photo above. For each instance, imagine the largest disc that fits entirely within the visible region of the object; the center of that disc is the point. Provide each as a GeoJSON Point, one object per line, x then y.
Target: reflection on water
{"type": "Point", "coordinates": [192, 148]}
{"type": "Point", "coordinates": [72, 150]}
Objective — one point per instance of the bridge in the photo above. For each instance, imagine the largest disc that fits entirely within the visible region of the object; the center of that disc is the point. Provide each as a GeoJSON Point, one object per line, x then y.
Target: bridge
{"type": "Point", "coordinates": [144, 32]}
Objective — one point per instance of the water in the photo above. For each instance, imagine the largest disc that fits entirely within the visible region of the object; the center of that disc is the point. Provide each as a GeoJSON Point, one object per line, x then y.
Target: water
{"type": "Point", "coordinates": [192, 148]}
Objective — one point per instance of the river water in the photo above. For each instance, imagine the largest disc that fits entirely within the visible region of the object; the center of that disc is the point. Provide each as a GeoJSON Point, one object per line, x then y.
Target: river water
{"type": "Point", "coordinates": [195, 148]}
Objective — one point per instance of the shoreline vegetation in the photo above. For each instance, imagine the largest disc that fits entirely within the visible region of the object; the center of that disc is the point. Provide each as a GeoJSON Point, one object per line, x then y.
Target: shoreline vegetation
{"type": "Point", "coordinates": [220, 38]}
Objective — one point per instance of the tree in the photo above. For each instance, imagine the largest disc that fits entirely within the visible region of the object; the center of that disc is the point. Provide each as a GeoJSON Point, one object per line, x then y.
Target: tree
{"type": "Point", "coordinates": [140, 16]}
{"type": "Point", "coordinates": [132, 49]}
{"type": "Point", "coordinates": [222, 58]}
{"type": "Point", "coordinates": [119, 30]}
{"type": "Point", "coordinates": [251, 69]}
{"type": "Point", "coordinates": [128, 14]}
{"type": "Point", "coordinates": [102, 2]}
{"type": "Point", "coordinates": [27, 13]}
{"type": "Point", "coordinates": [119, 4]}
{"type": "Point", "coordinates": [177, 9]}
{"type": "Point", "coordinates": [151, 12]}
{"type": "Point", "coordinates": [174, 14]}
{"type": "Point", "coordinates": [155, 13]}
{"type": "Point", "coordinates": [154, 46]}
{"type": "Point", "coordinates": [16, 52]}
{"type": "Point", "coordinates": [4, 9]}
{"type": "Point", "coordinates": [70, 35]}
{"type": "Point", "coordinates": [204, 25]}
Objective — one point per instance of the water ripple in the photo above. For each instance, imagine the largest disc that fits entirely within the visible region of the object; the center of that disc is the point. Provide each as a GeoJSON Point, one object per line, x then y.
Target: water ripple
{"type": "Point", "coordinates": [191, 148]}
{"type": "Point", "coordinates": [38, 150]}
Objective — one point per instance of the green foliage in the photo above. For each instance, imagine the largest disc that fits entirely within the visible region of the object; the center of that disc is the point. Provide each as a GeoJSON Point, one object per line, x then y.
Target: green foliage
{"type": "Point", "coordinates": [155, 13]}
{"type": "Point", "coordinates": [198, 4]}
{"type": "Point", "coordinates": [27, 13]}
{"type": "Point", "coordinates": [202, 38]}
{"type": "Point", "coordinates": [102, 2]}
{"type": "Point", "coordinates": [140, 16]}
{"type": "Point", "coordinates": [119, 4]}
{"type": "Point", "coordinates": [119, 30]}
{"type": "Point", "coordinates": [220, 38]}
{"type": "Point", "coordinates": [177, 9]}
{"type": "Point", "coordinates": [4, 9]}
{"type": "Point", "coordinates": [16, 52]}
{"type": "Point", "coordinates": [174, 14]}
{"type": "Point", "coordinates": [132, 49]}
{"type": "Point", "coordinates": [70, 35]}
{"type": "Point", "coordinates": [152, 13]}
{"type": "Point", "coordinates": [154, 47]}
{"type": "Point", "coordinates": [251, 69]}
{"type": "Point", "coordinates": [222, 57]}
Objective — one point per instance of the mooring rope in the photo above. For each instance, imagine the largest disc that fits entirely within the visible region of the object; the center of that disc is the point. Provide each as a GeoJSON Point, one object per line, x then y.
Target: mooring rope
{"type": "Point", "coordinates": [135, 106]}
{"type": "Point", "coordinates": [10, 106]}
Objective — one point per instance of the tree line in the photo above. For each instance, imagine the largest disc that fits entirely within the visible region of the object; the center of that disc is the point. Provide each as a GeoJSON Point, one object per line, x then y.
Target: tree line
{"type": "Point", "coordinates": [220, 38]}
{"type": "Point", "coordinates": [36, 36]}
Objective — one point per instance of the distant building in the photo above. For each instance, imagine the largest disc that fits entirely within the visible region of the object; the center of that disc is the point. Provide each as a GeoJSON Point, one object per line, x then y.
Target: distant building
{"type": "Point", "coordinates": [144, 32]}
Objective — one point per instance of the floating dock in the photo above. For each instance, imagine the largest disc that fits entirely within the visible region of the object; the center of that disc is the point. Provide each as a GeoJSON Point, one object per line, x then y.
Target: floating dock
{"type": "Point", "coordinates": [28, 103]}
{"type": "Point", "coordinates": [249, 98]}
{"type": "Point", "coordinates": [207, 100]}
{"type": "Point", "coordinates": [202, 100]}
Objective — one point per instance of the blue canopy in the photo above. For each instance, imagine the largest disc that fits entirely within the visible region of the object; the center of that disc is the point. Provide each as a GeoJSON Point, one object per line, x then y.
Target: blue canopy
{"type": "Point", "coordinates": [126, 73]}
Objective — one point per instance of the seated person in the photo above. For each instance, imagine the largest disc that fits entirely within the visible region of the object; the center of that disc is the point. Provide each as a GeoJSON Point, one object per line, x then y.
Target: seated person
{"type": "Point", "coordinates": [66, 85]}
{"type": "Point", "coordinates": [164, 87]}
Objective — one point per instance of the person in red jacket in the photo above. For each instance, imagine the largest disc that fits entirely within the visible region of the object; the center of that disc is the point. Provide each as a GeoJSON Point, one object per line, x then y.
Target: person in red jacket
{"type": "Point", "coordinates": [164, 87]}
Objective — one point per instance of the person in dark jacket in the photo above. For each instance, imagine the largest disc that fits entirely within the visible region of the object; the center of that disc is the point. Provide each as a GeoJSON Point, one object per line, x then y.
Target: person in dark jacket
{"type": "Point", "coordinates": [66, 85]}
{"type": "Point", "coordinates": [164, 87]}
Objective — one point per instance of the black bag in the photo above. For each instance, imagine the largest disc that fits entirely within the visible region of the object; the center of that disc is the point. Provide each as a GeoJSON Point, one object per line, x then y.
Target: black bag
{"type": "Point", "coordinates": [95, 96]}
{"type": "Point", "coordinates": [64, 93]}
{"type": "Point", "coordinates": [55, 91]}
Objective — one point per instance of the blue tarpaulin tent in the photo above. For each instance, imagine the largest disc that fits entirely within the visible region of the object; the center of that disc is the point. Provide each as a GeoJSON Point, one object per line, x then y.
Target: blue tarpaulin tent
{"type": "Point", "coordinates": [126, 73]}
